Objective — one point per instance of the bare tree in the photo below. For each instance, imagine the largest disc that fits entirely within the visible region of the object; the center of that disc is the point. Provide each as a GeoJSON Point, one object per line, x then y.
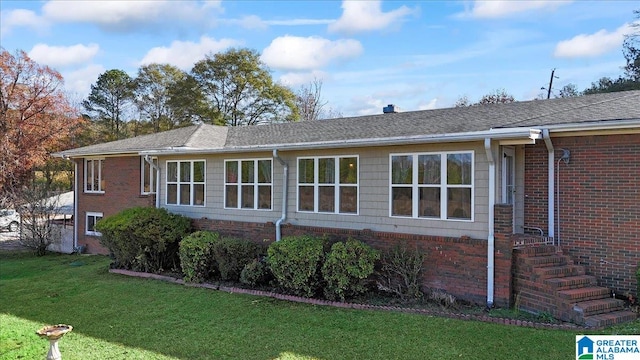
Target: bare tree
{"type": "Point", "coordinates": [38, 208]}
{"type": "Point", "coordinates": [309, 101]}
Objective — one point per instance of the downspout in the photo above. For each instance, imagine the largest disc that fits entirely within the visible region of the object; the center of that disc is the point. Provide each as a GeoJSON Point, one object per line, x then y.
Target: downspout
{"type": "Point", "coordinates": [551, 170]}
{"type": "Point", "coordinates": [149, 161]}
{"type": "Point", "coordinates": [491, 238]}
{"type": "Point", "coordinates": [76, 190]}
{"type": "Point", "coordinates": [285, 180]}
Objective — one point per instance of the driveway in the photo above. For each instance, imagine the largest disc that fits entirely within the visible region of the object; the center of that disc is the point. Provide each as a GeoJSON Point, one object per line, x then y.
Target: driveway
{"type": "Point", "coordinates": [10, 241]}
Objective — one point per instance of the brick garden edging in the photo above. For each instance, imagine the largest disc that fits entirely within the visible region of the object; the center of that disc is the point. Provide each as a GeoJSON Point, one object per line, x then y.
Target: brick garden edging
{"type": "Point", "coordinates": [460, 316]}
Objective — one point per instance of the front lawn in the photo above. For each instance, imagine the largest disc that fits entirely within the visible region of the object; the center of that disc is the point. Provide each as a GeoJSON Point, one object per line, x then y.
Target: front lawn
{"type": "Point", "coordinates": [118, 317]}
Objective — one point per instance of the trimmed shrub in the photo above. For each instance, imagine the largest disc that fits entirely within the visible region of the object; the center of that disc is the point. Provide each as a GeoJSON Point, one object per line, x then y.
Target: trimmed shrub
{"type": "Point", "coordinates": [196, 255]}
{"type": "Point", "coordinates": [255, 273]}
{"type": "Point", "coordinates": [296, 262]}
{"type": "Point", "coordinates": [401, 272]}
{"type": "Point", "coordinates": [347, 267]}
{"type": "Point", "coordinates": [232, 255]}
{"type": "Point", "coordinates": [144, 238]}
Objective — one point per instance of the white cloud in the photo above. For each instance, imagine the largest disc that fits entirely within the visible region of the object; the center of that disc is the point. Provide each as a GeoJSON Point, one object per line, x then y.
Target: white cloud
{"type": "Point", "coordinates": [20, 18]}
{"type": "Point", "coordinates": [360, 16]}
{"type": "Point", "coordinates": [306, 53]}
{"type": "Point", "coordinates": [504, 8]}
{"type": "Point", "coordinates": [79, 81]}
{"type": "Point", "coordinates": [55, 56]}
{"type": "Point", "coordinates": [589, 45]}
{"type": "Point", "coordinates": [126, 15]}
{"type": "Point", "coordinates": [432, 104]}
{"type": "Point", "coordinates": [184, 54]}
{"type": "Point", "coordinates": [295, 79]}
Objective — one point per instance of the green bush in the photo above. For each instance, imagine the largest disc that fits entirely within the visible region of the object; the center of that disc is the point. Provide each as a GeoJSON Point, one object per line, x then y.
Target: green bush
{"type": "Point", "coordinates": [347, 267]}
{"type": "Point", "coordinates": [196, 255]}
{"type": "Point", "coordinates": [144, 238]}
{"type": "Point", "coordinates": [231, 255]}
{"type": "Point", "coordinates": [255, 273]}
{"type": "Point", "coordinates": [296, 262]}
{"type": "Point", "coordinates": [401, 272]}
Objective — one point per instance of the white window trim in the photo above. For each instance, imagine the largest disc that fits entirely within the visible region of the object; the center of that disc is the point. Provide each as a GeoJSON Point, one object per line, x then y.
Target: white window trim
{"type": "Point", "coordinates": [100, 167]}
{"type": "Point", "coordinates": [191, 183]}
{"type": "Point", "coordinates": [443, 186]}
{"type": "Point", "coordinates": [255, 184]}
{"type": "Point", "coordinates": [86, 223]}
{"type": "Point", "coordinates": [316, 185]}
{"type": "Point", "coordinates": [152, 175]}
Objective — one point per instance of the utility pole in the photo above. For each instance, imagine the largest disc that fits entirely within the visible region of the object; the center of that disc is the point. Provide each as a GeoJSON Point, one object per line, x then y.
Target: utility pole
{"type": "Point", "coordinates": [550, 83]}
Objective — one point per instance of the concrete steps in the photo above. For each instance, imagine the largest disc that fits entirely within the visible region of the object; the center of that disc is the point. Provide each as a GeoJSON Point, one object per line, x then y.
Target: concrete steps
{"type": "Point", "coordinates": [547, 281]}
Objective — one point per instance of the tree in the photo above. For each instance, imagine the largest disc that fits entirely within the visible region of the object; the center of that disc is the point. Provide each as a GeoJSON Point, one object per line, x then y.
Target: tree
{"type": "Point", "coordinates": [497, 97]}
{"type": "Point", "coordinates": [607, 85]}
{"type": "Point", "coordinates": [631, 50]}
{"type": "Point", "coordinates": [152, 94]}
{"type": "Point", "coordinates": [569, 90]}
{"type": "Point", "coordinates": [109, 100]}
{"type": "Point", "coordinates": [36, 118]}
{"type": "Point", "coordinates": [239, 90]}
{"type": "Point", "coordinates": [38, 211]}
{"type": "Point", "coordinates": [309, 101]}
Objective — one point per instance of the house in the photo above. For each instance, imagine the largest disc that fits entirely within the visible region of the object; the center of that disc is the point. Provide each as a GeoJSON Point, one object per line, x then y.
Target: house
{"type": "Point", "coordinates": [466, 184]}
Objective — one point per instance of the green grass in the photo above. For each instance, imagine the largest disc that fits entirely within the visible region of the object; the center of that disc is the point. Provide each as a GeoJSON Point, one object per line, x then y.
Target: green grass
{"type": "Point", "coordinates": [118, 317]}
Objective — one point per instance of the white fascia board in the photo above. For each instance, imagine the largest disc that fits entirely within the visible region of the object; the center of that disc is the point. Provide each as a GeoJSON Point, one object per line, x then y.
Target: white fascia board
{"type": "Point", "coordinates": [598, 125]}
{"type": "Point", "coordinates": [497, 134]}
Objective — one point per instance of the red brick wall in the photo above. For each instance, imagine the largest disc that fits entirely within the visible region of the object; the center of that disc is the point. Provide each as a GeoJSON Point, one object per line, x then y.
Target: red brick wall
{"type": "Point", "coordinates": [121, 176]}
{"type": "Point", "coordinates": [455, 265]}
{"type": "Point", "coordinates": [599, 203]}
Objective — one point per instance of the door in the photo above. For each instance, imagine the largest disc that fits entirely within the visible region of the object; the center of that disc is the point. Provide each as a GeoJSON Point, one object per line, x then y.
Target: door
{"type": "Point", "coordinates": [509, 179]}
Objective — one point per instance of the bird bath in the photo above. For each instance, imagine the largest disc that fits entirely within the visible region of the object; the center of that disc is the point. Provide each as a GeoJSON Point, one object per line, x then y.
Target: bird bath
{"type": "Point", "coordinates": [53, 333]}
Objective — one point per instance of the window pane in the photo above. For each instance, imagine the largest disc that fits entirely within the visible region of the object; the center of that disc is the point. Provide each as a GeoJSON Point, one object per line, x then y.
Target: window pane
{"type": "Point", "coordinates": [172, 194]}
{"type": "Point", "coordinates": [401, 169]}
{"type": "Point", "coordinates": [89, 175]}
{"type": "Point", "coordinates": [146, 176]}
{"type": "Point", "coordinates": [401, 201]}
{"type": "Point", "coordinates": [247, 172]}
{"type": "Point", "coordinates": [349, 170]}
{"type": "Point", "coordinates": [305, 171]}
{"type": "Point", "coordinates": [198, 194]}
{"type": "Point", "coordinates": [247, 197]}
{"type": "Point", "coordinates": [232, 196]}
{"type": "Point", "coordinates": [429, 202]}
{"type": "Point", "coordinates": [459, 203]}
{"type": "Point", "coordinates": [305, 198]}
{"type": "Point", "coordinates": [429, 169]}
{"type": "Point", "coordinates": [100, 176]}
{"type": "Point", "coordinates": [326, 196]}
{"type": "Point", "coordinates": [91, 223]}
{"type": "Point", "coordinates": [172, 171]}
{"type": "Point", "coordinates": [198, 171]}
{"type": "Point", "coordinates": [185, 171]}
{"type": "Point", "coordinates": [185, 194]}
{"type": "Point", "coordinates": [326, 171]}
{"type": "Point", "coordinates": [264, 197]}
{"type": "Point", "coordinates": [231, 172]}
{"type": "Point", "coordinates": [459, 169]}
{"type": "Point", "coordinates": [348, 199]}
{"type": "Point", "coordinates": [264, 171]}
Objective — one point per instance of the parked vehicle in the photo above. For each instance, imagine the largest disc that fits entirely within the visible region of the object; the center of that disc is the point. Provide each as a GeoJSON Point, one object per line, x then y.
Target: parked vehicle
{"type": "Point", "coordinates": [9, 220]}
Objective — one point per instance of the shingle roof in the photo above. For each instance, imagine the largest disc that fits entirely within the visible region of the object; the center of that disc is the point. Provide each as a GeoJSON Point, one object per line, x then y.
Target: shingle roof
{"type": "Point", "coordinates": [603, 108]}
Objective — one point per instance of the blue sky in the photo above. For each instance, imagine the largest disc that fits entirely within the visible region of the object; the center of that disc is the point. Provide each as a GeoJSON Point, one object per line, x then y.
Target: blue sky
{"type": "Point", "coordinates": [414, 54]}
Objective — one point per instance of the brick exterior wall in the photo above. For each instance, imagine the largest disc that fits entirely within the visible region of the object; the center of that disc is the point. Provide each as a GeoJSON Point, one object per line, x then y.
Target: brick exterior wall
{"type": "Point", "coordinates": [455, 265]}
{"type": "Point", "coordinates": [599, 204]}
{"type": "Point", "coordinates": [121, 176]}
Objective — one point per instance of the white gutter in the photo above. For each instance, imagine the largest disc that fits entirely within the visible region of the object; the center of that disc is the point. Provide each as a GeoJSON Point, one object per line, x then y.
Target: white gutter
{"type": "Point", "coordinates": [149, 161]}
{"type": "Point", "coordinates": [551, 183]}
{"type": "Point", "coordinates": [285, 180]}
{"type": "Point", "coordinates": [491, 238]}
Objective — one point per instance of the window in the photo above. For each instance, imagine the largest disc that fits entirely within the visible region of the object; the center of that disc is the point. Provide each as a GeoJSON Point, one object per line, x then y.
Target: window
{"type": "Point", "coordinates": [93, 176]}
{"type": "Point", "coordinates": [248, 184]}
{"type": "Point", "coordinates": [92, 219]}
{"type": "Point", "coordinates": [432, 185]}
{"type": "Point", "coordinates": [328, 184]}
{"type": "Point", "coordinates": [148, 176]}
{"type": "Point", "coordinates": [185, 182]}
